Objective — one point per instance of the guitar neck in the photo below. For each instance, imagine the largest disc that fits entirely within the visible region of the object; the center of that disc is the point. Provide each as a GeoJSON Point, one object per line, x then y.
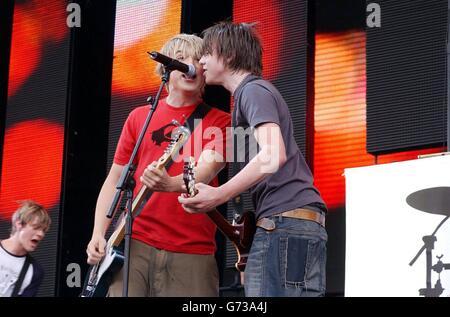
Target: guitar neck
{"type": "Point", "coordinates": [144, 193]}
{"type": "Point", "coordinates": [140, 200]}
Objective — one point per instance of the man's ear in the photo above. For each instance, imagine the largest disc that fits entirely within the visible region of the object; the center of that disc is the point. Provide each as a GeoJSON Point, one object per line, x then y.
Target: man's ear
{"type": "Point", "coordinates": [19, 225]}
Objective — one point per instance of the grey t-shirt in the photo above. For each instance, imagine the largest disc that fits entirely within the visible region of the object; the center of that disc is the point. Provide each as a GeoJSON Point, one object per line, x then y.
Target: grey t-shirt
{"type": "Point", "coordinates": [256, 102]}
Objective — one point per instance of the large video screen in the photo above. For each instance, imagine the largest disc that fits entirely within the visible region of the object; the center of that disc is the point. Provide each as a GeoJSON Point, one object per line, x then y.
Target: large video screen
{"type": "Point", "coordinates": [35, 116]}
{"type": "Point", "coordinates": [141, 26]}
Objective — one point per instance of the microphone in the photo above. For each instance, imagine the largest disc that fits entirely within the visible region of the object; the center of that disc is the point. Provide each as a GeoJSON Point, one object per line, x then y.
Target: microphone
{"type": "Point", "coordinates": [173, 64]}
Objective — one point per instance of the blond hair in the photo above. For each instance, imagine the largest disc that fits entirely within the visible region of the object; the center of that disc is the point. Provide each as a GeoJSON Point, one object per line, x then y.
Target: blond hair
{"type": "Point", "coordinates": [28, 212]}
{"type": "Point", "coordinates": [188, 44]}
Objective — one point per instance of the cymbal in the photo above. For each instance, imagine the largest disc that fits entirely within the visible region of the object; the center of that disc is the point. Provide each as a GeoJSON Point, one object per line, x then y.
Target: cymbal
{"type": "Point", "coordinates": [435, 200]}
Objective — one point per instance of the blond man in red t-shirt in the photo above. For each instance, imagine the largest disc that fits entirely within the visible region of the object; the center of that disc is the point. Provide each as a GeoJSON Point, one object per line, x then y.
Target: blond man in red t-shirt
{"type": "Point", "coordinates": [172, 252]}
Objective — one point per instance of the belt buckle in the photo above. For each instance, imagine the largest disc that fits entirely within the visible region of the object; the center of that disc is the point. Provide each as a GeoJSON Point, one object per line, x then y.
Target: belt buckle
{"type": "Point", "coordinates": [266, 223]}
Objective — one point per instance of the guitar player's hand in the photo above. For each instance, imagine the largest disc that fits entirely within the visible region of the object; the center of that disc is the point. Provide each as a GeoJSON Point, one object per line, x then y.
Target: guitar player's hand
{"type": "Point", "coordinates": [158, 180]}
{"type": "Point", "coordinates": [207, 199]}
{"type": "Point", "coordinates": [96, 249]}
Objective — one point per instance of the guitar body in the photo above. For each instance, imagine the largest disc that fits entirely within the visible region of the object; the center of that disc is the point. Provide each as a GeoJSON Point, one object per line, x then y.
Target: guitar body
{"type": "Point", "coordinates": [99, 276]}
{"type": "Point", "coordinates": [242, 237]}
{"type": "Point", "coordinates": [240, 232]}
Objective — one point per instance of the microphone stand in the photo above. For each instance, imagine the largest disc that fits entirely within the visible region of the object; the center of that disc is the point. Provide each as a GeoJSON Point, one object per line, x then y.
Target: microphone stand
{"type": "Point", "coordinates": [127, 183]}
{"type": "Point", "coordinates": [429, 246]}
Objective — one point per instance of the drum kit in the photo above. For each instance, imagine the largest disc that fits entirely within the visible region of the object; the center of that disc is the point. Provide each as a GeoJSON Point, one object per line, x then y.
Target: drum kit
{"type": "Point", "coordinates": [434, 200]}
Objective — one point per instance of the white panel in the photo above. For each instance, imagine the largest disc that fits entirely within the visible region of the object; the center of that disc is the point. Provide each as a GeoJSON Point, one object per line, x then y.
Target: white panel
{"type": "Point", "coordinates": [384, 233]}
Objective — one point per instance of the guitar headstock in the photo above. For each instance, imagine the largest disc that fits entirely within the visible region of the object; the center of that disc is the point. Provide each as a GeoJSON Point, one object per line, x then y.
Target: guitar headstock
{"type": "Point", "coordinates": [180, 135]}
{"type": "Point", "coordinates": [189, 177]}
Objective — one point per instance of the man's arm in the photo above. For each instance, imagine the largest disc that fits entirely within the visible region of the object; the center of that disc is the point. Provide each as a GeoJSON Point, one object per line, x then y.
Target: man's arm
{"type": "Point", "coordinates": [96, 247]}
{"type": "Point", "coordinates": [209, 165]}
{"type": "Point", "coordinates": [271, 157]}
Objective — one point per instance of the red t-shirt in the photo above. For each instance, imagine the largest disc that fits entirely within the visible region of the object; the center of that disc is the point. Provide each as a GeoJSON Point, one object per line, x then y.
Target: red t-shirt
{"type": "Point", "coordinates": [163, 223]}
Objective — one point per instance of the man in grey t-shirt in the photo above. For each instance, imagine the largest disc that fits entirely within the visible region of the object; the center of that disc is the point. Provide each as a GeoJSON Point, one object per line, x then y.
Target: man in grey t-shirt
{"type": "Point", "coordinates": [288, 253]}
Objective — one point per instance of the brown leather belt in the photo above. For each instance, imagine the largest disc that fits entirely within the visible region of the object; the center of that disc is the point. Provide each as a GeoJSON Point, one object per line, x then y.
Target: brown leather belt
{"type": "Point", "coordinates": [299, 213]}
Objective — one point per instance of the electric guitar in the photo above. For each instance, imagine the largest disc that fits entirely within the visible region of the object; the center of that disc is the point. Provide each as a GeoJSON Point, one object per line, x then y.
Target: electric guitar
{"type": "Point", "coordinates": [240, 232]}
{"type": "Point", "coordinates": [100, 275]}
